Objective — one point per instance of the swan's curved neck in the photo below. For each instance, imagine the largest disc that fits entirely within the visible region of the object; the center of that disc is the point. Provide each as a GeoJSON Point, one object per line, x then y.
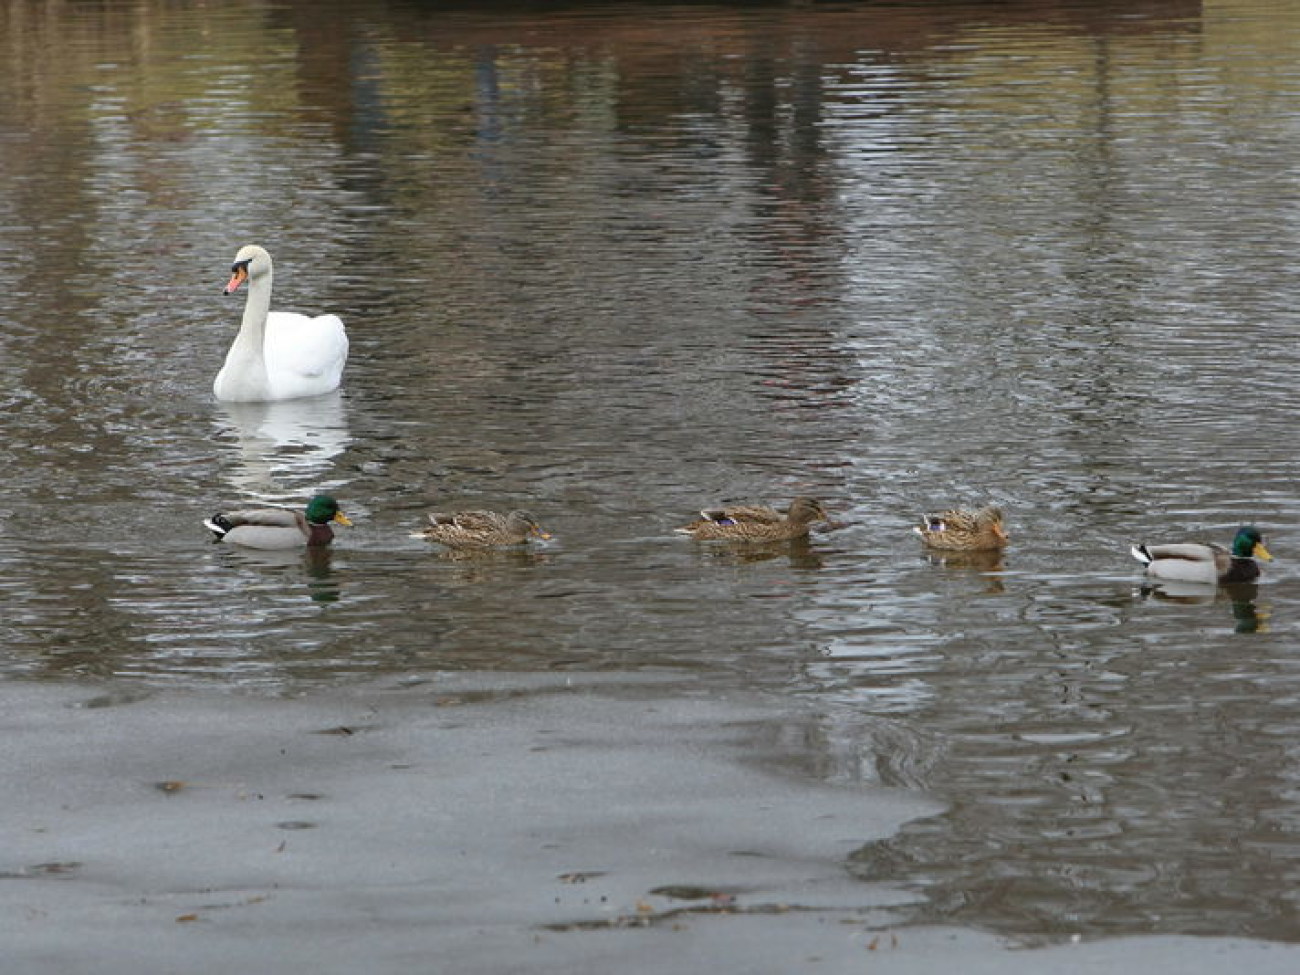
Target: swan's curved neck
{"type": "Point", "coordinates": [244, 376]}
{"type": "Point", "coordinates": [256, 308]}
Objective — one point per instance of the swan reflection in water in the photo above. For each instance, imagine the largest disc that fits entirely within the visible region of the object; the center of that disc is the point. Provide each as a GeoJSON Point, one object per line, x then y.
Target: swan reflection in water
{"type": "Point", "coordinates": [1243, 596]}
{"type": "Point", "coordinates": [285, 451]}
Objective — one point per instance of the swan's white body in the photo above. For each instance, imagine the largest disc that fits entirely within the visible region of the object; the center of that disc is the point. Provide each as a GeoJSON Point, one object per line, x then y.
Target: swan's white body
{"type": "Point", "coordinates": [277, 355]}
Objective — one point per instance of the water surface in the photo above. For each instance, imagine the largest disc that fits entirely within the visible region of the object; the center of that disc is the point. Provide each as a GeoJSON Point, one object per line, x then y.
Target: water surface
{"type": "Point", "coordinates": [615, 263]}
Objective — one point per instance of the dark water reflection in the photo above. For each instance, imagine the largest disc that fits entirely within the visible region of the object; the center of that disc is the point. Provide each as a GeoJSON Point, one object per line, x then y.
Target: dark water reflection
{"type": "Point", "coordinates": [618, 263]}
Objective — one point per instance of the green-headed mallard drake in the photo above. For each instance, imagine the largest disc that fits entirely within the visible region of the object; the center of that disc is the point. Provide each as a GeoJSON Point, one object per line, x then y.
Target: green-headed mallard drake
{"type": "Point", "coordinates": [279, 528]}
{"type": "Point", "coordinates": [756, 523]}
{"type": "Point", "coordinates": [481, 529]}
{"type": "Point", "coordinates": [1206, 562]}
{"type": "Point", "coordinates": [964, 531]}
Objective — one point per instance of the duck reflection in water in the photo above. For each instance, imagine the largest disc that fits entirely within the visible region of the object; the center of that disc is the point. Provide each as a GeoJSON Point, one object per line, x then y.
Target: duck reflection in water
{"type": "Point", "coordinates": [1241, 596]}
{"type": "Point", "coordinates": [322, 584]}
{"type": "Point", "coordinates": [799, 551]}
{"type": "Point", "coordinates": [475, 566]}
{"type": "Point", "coordinates": [314, 562]}
{"type": "Point", "coordinates": [987, 564]}
{"type": "Point", "coordinates": [495, 556]}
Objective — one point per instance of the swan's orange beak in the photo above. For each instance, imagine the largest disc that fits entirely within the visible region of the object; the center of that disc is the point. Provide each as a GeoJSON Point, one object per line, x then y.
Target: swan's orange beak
{"type": "Point", "coordinates": [238, 275]}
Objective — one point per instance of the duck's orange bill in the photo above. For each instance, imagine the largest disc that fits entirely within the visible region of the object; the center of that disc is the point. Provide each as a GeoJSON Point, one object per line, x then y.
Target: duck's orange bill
{"type": "Point", "coordinates": [1260, 552]}
{"type": "Point", "coordinates": [341, 518]}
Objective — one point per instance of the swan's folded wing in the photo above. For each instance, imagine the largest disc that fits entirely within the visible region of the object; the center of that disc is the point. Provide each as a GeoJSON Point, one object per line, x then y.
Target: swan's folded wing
{"type": "Point", "coordinates": [307, 348]}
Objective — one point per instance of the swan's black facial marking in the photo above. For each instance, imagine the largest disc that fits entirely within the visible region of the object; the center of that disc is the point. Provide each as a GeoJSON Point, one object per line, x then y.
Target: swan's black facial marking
{"type": "Point", "coordinates": [239, 274]}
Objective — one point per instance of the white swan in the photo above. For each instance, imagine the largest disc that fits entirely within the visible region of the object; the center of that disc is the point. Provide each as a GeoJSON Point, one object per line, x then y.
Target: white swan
{"type": "Point", "coordinates": [277, 355]}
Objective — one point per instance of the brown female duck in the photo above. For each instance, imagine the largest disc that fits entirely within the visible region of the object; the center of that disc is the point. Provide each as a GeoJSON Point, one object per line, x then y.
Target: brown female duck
{"type": "Point", "coordinates": [481, 529]}
{"type": "Point", "coordinates": [757, 523]}
{"type": "Point", "coordinates": [959, 530]}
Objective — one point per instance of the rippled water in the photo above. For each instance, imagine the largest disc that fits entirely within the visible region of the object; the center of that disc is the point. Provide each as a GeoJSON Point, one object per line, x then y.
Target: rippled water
{"type": "Point", "coordinates": [617, 263]}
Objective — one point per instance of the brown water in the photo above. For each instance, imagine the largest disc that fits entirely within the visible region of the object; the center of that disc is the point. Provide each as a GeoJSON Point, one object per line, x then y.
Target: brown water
{"type": "Point", "coordinates": [617, 262]}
